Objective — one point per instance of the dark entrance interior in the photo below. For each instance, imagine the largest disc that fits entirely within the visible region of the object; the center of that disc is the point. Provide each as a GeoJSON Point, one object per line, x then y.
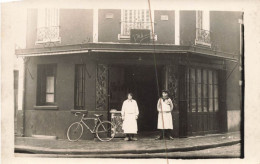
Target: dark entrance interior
{"type": "Point", "coordinates": [141, 81]}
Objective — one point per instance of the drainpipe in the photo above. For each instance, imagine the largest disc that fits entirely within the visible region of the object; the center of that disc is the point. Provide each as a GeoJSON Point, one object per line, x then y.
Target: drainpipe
{"type": "Point", "coordinates": [24, 94]}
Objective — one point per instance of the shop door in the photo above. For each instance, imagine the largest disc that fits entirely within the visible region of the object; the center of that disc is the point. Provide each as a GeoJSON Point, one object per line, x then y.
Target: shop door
{"type": "Point", "coordinates": [202, 88]}
{"type": "Point", "coordinates": [141, 81]}
{"type": "Point", "coordinates": [117, 87]}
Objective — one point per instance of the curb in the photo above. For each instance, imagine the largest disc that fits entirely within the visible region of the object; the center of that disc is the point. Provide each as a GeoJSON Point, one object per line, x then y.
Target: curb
{"type": "Point", "coordinates": [40, 150]}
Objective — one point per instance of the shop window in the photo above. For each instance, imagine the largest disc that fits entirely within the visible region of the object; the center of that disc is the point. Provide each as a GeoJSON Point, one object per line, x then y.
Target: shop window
{"type": "Point", "coordinates": [202, 88]}
{"type": "Point", "coordinates": [46, 84]}
{"type": "Point", "coordinates": [203, 28]}
{"type": "Point", "coordinates": [79, 97]}
{"type": "Point", "coordinates": [135, 19]}
{"type": "Point", "coordinates": [48, 26]}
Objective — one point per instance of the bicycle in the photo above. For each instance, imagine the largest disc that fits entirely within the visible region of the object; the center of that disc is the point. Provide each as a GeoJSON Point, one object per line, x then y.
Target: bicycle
{"type": "Point", "coordinates": [104, 130]}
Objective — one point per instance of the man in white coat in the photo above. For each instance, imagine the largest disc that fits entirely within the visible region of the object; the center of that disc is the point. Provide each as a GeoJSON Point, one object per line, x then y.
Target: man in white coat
{"type": "Point", "coordinates": [130, 114]}
{"type": "Point", "coordinates": [164, 108]}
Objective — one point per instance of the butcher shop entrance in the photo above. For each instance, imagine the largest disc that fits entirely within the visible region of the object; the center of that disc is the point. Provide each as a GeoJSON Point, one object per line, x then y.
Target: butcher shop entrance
{"type": "Point", "coordinates": [141, 81]}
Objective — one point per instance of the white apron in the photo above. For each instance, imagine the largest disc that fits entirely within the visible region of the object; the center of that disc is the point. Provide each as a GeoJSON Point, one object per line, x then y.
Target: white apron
{"type": "Point", "coordinates": [130, 114]}
{"type": "Point", "coordinates": [164, 114]}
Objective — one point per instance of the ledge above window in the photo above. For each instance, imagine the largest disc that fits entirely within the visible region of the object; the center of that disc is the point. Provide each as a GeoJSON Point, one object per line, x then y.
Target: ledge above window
{"type": "Point", "coordinates": [46, 107]}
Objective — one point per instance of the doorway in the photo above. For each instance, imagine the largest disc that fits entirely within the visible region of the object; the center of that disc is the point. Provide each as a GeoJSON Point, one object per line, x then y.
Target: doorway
{"type": "Point", "coordinates": [141, 81]}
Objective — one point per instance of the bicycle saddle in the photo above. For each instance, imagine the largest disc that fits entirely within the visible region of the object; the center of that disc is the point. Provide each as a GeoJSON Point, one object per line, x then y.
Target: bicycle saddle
{"type": "Point", "coordinates": [98, 115]}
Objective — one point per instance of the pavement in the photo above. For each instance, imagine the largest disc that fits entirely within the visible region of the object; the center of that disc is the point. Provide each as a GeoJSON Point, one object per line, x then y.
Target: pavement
{"type": "Point", "coordinates": [146, 146]}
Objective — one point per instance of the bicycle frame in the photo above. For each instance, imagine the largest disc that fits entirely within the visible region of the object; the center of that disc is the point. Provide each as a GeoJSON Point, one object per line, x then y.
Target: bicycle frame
{"type": "Point", "coordinates": [96, 120]}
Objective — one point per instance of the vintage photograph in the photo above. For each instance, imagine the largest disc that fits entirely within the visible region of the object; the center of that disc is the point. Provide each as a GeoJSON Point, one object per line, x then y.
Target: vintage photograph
{"type": "Point", "coordinates": [131, 81]}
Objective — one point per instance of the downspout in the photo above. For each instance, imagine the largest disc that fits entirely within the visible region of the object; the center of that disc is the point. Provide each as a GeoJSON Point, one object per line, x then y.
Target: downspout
{"type": "Point", "coordinates": [24, 94]}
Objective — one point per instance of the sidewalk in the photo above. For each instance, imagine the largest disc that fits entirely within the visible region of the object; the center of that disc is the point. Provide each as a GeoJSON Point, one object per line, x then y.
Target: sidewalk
{"type": "Point", "coordinates": [119, 146]}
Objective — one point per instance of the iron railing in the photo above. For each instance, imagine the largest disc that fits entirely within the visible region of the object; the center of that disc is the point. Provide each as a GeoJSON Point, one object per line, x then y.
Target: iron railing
{"type": "Point", "coordinates": [48, 34]}
{"type": "Point", "coordinates": [203, 37]}
{"type": "Point", "coordinates": [127, 26]}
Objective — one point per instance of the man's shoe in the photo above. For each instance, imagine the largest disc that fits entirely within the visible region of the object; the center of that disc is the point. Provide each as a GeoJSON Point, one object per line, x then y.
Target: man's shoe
{"type": "Point", "coordinates": [159, 138]}
{"type": "Point", "coordinates": [127, 139]}
{"type": "Point", "coordinates": [171, 138]}
{"type": "Point", "coordinates": [134, 139]}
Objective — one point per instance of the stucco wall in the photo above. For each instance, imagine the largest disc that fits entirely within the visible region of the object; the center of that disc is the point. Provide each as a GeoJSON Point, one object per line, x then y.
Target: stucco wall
{"type": "Point", "coordinates": [164, 29]}
{"type": "Point", "coordinates": [187, 27]}
{"type": "Point", "coordinates": [109, 28]}
{"type": "Point", "coordinates": [76, 27]}
{"type": "Point", "coordinates": [55, 122]}
{"type": "Point", "coordinates": [234, 120]}
{"type": "Point", "coordinates": [225, 30]}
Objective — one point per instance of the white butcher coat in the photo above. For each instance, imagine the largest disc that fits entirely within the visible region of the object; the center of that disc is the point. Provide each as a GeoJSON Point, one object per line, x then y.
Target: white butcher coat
{"type": "Point", "coordinates": [164, 109]}
{"type": "Point", "coordinates": [130, 114]}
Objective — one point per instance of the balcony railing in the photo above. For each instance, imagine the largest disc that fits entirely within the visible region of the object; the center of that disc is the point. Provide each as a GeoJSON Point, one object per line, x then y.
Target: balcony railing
{"type": "Point", "coordinates": [203, 37]}
{"type": "Point", "coordinates": [48, 34]}
{"type": "Point", "coordinates": [127, 26]}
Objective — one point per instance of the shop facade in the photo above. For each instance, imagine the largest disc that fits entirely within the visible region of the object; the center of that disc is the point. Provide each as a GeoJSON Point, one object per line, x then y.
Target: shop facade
{"type": "Point", "coordinates": [95, 76]}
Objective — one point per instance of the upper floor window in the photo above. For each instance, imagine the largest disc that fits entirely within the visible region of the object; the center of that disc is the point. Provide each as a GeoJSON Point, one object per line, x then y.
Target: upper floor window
{"type": "Point", "coordinates": [203, 28]}
{"type": "Point", "coordinates": [48, 25]}
{"type": "Point", "coordinates": [135, 19]}
{"type": "Point", "coordinates": [46, 84]}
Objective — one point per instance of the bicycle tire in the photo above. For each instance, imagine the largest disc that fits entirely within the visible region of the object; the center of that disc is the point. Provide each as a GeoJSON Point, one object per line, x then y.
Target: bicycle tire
{"type": "Point", "coordinates": [71, 130]}
{"type": "Point", "coordinates": [105, 131]}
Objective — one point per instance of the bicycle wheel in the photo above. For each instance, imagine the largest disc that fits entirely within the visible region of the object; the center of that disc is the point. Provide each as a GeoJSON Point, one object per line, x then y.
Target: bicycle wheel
{"type": "Point", "coordinates": [105, 131]}
{"type": "Point", "coordinates": [75, 131]}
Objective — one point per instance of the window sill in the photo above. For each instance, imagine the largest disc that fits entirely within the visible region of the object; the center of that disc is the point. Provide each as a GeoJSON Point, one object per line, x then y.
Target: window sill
{"type": "Point", "coordinates": [201, 43]}
{"type": "Point", "coordinates": [76, 110]}
{"type": "Point", "coordinates": [46, 107]}
{"type": "Point", "coordinates": [127, 37]}
{"type": "Point", "coordinates": [55, 40]}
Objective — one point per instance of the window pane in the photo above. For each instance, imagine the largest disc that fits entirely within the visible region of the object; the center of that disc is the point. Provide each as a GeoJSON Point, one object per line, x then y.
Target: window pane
{"type": "Point", "coordinates": [49, 98]}
{"type": "Point", "coordinates": [49, 70]}
{"type": "Point", "coordinates": [205, 77]}
{"type": "Point", "coordinates": [188, 105]}
{"type": "Point", "coordinates": [80, 86]}
{"type": "Point", "coordinates": [199, 90]}
{"type": "Point", "coordinates": [192, 75]}
{"type": "Point", "coordinates": [205, 105]}
{"type": "Point", "coordinates": [216, 91]}
{"type": "Point", "coordinates": [193, 105]}
{"type": "Point", "coordinates": [50, 84]}
{"type": "Point", "coordinates": [187, 75]}
{"type": "Point", "coordinates": [198, 75]}
{"type": "Point", "coordinates": [79, 99]}
{"type": "Point", "coordinates": [135, 19]}
{"type": "Point", "coordinates": [46, 83]}
{"type": "Point", "coordinates": [216, 105]}
{"type": "Point", "coordinates": [210, 91]}
{"type": "Point", "coordinates": [210, 77]}
{"type": "Point", "coordinates": [193, 91]}
{"type": "Point", "coordinates": [199, 105]}
{"type": "Point", "coordinates": [215, 77]}
{"type": "Point", "coordinates": [188, 91]}
{"type": "Point", "coordinates": [205, 91]}
{"type": "Point", "coordinates": [210, 105]}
